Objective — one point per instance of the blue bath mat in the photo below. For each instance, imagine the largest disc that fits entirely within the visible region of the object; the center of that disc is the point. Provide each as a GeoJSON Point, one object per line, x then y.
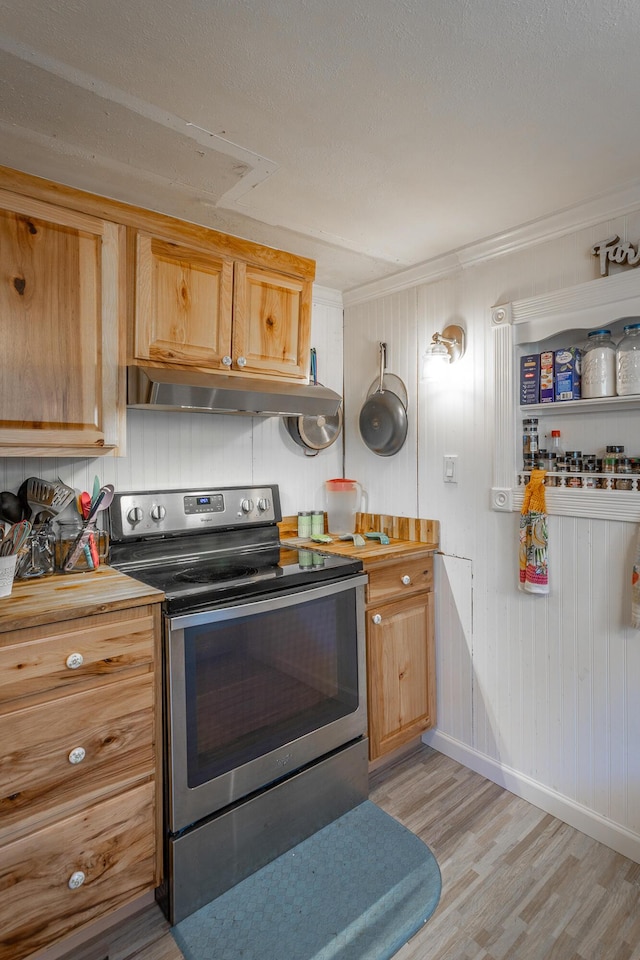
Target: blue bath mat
{"type": "Point", "coordinates": [356, 890]}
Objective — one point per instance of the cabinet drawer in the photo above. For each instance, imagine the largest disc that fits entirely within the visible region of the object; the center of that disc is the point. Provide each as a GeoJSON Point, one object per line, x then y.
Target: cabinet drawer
{"type": "Point", "coordinates": [399, 578]}
{"type": "Point", "coordinates": [112, 844]}
{"type": "Point", "coordinates": [42, 770]}
{"type": "Point", "coordinates": [106, 645]}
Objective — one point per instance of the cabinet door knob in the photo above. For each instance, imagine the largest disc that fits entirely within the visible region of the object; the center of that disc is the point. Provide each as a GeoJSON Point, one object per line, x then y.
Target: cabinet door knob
{"type": "Point", "coordinates": [77, 755]}
{"type": "Point", "coordinates": [377, 618]}
{"type": "Point", "coordinates": [406, 579]}
{"type": "Point", "coordinates": [76, 879]}
{"type": "Point", "coordinates": [241, 361]}
{"type": "Point", "coordinates": [227, 361]}
{"type": "Point", "coordinates": [74, 660]}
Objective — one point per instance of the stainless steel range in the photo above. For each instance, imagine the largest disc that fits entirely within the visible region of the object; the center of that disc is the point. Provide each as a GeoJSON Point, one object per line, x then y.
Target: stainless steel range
{"type": "Point", "coordinates": [264, 681]}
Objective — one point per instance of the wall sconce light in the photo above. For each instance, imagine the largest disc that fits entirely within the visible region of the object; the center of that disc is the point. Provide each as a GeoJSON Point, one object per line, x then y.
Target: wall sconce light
{"type": "Point", "coordinates": [445, 348]}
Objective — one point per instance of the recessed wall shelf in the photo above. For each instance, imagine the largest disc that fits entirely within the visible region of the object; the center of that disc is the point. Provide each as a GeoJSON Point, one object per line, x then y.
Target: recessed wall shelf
{"type": "Point", "coordinates": [528, 326]}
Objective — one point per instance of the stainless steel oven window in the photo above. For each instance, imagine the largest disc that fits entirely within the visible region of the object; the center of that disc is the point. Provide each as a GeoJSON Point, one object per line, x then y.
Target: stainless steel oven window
{"type": "Point", "coordinates": [259, 689]}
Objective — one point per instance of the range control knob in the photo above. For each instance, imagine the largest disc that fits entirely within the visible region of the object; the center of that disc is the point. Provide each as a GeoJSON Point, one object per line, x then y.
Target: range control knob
{"type": "Point", "coordinates": [158, 513]}
{"type": "Point", "coordinates": [263, 504]}
{"type": "Point", "coordinates": [246, 506]}
{"type": "Point", "coordinates": [135, 515]}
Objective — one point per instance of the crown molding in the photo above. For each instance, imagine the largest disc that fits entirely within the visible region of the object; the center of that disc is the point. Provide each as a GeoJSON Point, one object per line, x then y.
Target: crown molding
{"type": "Point", "coordinates": [602, 208]}
{"type": "Point", "coordinates": [327, 296]}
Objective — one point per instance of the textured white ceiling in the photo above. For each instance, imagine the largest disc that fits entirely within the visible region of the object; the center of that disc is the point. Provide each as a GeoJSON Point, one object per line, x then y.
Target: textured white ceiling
{"type": "Point", "coordinates": [368, 134]}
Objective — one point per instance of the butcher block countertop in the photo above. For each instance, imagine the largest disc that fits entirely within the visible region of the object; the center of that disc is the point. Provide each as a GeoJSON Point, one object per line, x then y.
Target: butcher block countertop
{"type": "Point", "coordinates": [408, 537]}
{"type": "Point", "coordinates": [63, 597]}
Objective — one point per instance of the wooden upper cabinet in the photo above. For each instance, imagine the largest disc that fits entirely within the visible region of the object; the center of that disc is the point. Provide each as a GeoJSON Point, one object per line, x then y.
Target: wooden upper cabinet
{"type": "Point", "coordinates": [198, 307]}
{"type": "Point", "coordinates": [183, 301]}
{"type": "Point", "coordinates": [60, 304]}
{"type": "Point", "coordinates": [272, 322]}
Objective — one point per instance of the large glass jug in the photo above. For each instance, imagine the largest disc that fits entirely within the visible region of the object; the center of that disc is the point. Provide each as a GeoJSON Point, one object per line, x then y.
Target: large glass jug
{"type": "Point", "coordinates": [343, 499]}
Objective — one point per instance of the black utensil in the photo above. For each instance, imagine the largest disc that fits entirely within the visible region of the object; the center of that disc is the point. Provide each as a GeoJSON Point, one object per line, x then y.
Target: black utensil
{"type": "Point", "coordinates": [22, 497]}
{"type": "Point", "coordinates": [11, 508]}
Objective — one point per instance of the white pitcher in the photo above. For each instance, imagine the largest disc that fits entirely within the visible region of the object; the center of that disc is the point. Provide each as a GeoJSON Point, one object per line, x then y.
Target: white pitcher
{"type": "Point", "coordinates": [343, 500]}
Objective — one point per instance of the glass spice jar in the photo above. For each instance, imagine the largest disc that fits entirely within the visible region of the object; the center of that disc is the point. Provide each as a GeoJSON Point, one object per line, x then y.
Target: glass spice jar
{"type": "Point", "coordinates": [610, 459]}
{"type": "Point", "coordinates": [590, 480]}
{"type": "Point", "coordinates": [530, 436]}
{"type": "Point", "coordinates": [624, 482]}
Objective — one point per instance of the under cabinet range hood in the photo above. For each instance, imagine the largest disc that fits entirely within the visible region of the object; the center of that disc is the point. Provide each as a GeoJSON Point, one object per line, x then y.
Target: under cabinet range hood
{"type": "Point", "coordinates": [190, 391]}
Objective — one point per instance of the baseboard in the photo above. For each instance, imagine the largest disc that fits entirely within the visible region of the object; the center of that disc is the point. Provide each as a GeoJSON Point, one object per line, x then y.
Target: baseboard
{"type": "Point", "coordinates": [605, 831]}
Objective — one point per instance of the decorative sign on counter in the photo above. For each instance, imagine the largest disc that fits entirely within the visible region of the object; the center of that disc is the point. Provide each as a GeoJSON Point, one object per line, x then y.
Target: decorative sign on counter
{"type": "Point", "coordinates": [615, 250]}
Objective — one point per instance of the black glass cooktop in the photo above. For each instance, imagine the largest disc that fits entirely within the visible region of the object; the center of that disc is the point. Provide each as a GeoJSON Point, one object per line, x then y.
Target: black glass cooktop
{"type": "Point", "coordinates": [194, 577]}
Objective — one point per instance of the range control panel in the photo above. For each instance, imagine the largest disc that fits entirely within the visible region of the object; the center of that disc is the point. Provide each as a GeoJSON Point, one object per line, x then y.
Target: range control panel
{"type": "Point", "coordinates": [174, 512]}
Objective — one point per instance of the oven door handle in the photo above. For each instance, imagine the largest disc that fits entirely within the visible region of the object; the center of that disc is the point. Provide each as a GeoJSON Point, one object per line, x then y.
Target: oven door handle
{"type": "Point", "coordinates": [275, 601]}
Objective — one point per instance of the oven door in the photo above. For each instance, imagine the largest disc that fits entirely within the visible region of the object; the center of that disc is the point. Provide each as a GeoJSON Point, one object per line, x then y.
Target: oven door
{"type": "Point", "coordinates": [257, 690]}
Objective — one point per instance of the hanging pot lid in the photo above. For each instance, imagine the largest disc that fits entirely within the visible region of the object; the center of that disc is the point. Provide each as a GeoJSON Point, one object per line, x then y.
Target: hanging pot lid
{"type": "Point", "coordinates": [392, 383]}
{"type": "Point", "coordinates": [317, 432]}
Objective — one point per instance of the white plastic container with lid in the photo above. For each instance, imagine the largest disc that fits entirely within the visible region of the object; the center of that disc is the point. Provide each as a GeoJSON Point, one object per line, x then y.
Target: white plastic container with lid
{"type": "Point", "coordinates": [599, 366]}
{"type": "Point", "coordinates": [628, 358]}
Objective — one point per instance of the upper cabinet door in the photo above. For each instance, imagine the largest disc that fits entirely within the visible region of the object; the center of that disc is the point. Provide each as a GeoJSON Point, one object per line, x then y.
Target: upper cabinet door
{"type": "Point", "coordinates": [271, 323]}
{"type": "Point", "coordinates": [61, 297]}
{"type": "Point", "coordinates": [183, 304]}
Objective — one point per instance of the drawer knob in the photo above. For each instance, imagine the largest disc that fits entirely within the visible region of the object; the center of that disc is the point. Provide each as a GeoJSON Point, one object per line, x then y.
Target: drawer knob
{"type": "Point", "coordinates": [76, 879]}
{"type": "Point", "coordinates": [406, 579]}
{"type": "Point", "coordinates": [377, 618]}
{"type": "Point", "coordinates": [77, 755]}
{"type": "Point", "coordinates": [74, 660]}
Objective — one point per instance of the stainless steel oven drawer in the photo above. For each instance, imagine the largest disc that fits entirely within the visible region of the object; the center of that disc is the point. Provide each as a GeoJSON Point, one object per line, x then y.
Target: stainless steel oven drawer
{"type": "Point", "coordinates": [221, 852]}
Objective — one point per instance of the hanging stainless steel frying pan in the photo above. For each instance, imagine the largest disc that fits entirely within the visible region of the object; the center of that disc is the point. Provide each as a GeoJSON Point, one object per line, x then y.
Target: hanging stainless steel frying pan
{"type": "Point", "coordinates": [383, 419]}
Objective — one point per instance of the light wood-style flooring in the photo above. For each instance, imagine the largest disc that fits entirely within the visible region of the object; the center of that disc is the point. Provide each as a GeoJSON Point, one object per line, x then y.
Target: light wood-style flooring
{"type": "Point", "coordinates": [517, 884]}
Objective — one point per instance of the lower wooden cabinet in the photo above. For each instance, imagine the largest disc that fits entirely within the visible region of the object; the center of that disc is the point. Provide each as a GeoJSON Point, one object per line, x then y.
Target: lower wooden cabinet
{"type": "Point", "coordinates": [79, 734]}
{"type": "Point", "coordinates": [74, 871]}
{"type": "Point", "coordinates": [401, 679]}
{"type": "Point", "coordinates": [82, 744]}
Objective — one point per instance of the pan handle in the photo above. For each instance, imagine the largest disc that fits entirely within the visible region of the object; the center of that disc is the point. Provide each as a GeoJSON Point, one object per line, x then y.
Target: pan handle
{"type": "Point", "coordinates": [383, 366]}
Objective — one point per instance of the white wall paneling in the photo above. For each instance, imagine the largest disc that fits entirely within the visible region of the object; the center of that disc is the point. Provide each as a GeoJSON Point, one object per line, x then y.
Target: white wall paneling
{"type": "Point", "coordinates": [388, 481]}
{"type": "Point", "coordinates": [454, 618]}
{"type": "Point", "coordinates": [554, 681]}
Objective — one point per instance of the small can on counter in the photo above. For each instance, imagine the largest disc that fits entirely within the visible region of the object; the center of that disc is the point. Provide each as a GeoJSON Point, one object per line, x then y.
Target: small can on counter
{"type": "Point", "coordinates": [304, 524]}
{"type": "Point", "coordinates": [317, 523]}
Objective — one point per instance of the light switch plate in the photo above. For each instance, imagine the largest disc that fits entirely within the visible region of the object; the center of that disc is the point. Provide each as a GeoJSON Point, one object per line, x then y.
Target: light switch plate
{"type": "Point", "coordinates": [450, 468]}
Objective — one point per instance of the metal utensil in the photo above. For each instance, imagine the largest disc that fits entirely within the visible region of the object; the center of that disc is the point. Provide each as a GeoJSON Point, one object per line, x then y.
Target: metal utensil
{"type": "Point", "coordinates": [383, 419]}
{"type": "Point", "coordinates": [49, 497]}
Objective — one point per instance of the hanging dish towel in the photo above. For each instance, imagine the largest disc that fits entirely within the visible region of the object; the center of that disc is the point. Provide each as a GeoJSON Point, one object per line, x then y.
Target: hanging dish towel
{"type": "Point", "coordinates": [635, 587]}
{"type": "Point", "coordinates": [534, 561]}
